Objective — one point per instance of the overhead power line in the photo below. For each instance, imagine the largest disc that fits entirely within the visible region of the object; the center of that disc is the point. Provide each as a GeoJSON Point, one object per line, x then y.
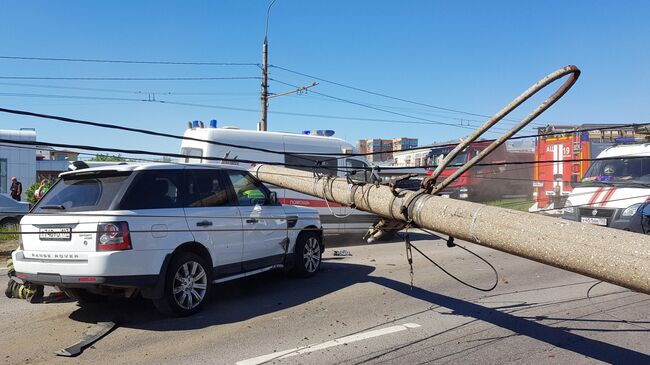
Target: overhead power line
{"type": "Point", "coordinates": [160, 134]}
{"type": "Point", "coordinates": [386, 95]}
{"type": "Point", "coordinates": [122, 91]}
{"type": "Point", "coordinates": [378, 109]}
{"type": "Point", "coordinates": [129, 78]}
{"type": "Point", "coordinates": [94, 60]}
{"type": "Point", "coordinates": [220, 107]}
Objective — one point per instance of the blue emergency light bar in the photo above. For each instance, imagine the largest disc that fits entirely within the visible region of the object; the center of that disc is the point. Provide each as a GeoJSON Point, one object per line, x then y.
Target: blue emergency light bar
{"type": "Point", "coordinates": [319, 132]}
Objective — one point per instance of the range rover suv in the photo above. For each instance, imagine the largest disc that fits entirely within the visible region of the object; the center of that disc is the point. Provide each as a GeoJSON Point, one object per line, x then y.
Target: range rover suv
{"type": "Point", "coordinates": [164, 231]}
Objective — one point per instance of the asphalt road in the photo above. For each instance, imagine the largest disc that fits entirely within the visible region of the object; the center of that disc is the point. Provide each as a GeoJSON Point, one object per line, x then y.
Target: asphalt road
{"type": "Point", "coordinates": [359, 309]}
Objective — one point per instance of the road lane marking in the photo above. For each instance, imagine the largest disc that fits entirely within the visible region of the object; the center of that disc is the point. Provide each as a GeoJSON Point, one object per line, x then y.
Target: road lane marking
{"type": "Point", "coordinates": [317, 347]}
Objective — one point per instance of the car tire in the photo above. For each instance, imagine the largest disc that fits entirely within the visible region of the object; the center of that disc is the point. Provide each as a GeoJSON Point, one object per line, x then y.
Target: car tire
{"type": "Point", "coordinates": [83, 296]}
{"type": "Point", "coordinates": [309, 252]}
{"type": "Point", "coordinates": [9, 223]}
{"type": "Point", "coordinates": [187, 286]}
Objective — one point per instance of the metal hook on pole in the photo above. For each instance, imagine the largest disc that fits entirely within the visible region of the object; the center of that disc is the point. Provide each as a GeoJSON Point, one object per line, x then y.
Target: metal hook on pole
{"type": "Point", "coordinates": [571, 70]}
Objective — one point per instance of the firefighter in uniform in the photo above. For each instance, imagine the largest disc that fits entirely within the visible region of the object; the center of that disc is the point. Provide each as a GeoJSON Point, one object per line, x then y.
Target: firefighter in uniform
{"type": "Point", "coordinates": [18, 289]}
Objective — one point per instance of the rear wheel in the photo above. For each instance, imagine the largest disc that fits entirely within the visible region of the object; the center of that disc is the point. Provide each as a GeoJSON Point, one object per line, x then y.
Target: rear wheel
{"type": "Point", "coordinates": [309, 252]}
{"type": "Point", "coordinates": [187, 285]}
{"type": "Point", "coordinates": [9, 224]}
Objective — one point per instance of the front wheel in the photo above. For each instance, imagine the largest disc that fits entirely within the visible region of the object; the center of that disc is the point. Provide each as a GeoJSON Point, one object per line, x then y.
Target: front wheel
{"type": "Point", "coordinates": [309, 252]}
{"type": "Point", "coordinates": [187, 286]}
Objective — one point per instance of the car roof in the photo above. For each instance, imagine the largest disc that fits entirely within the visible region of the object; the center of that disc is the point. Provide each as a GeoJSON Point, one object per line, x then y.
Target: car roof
{"type": "Point", "coordinates": [151, 166]}
{"type": "Point", "coordinates": [626, 150]}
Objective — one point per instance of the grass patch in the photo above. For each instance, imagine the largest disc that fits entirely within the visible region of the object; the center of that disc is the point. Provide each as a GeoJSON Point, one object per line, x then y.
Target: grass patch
{"type": "Point", "coordinates": [8, 233]}
{"type": "Point", "coordinates": [515, 204]}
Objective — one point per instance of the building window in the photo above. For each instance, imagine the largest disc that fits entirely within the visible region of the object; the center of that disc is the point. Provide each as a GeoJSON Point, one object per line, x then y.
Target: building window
{"type": "Point", "coordinates": [3, 176]}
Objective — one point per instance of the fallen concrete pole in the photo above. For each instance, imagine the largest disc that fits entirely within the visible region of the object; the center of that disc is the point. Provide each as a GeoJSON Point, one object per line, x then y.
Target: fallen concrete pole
{"type": "Point", "coordinates": [615, 256]}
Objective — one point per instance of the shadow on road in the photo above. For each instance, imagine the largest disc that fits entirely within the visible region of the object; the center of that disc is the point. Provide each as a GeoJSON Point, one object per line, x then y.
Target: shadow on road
{"type": "Point", "coordinates": [560, 337]}
{"type": "Point", "coordinates": [271, 292]}
{"type": "Point", "coordinates": [231, 302]}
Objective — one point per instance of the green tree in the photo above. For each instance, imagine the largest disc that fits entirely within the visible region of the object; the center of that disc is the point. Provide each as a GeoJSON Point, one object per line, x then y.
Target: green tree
{"type": "Point", "coordinates": [29, 193]}
{"type": "Point", "coordinates": [108, 158]}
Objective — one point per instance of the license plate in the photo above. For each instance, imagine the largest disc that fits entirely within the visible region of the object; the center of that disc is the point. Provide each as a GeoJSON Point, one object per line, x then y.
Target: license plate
{"type": "Point", "coordinates": [594, 220]}
{"type": "Point", "coordinates": [55, 234]}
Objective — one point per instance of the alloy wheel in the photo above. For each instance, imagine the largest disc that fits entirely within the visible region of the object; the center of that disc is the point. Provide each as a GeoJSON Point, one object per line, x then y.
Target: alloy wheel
{"type": "Point", "coordinates": [311, 254]}
{"type": "Point", "coordinates": [190, 285]}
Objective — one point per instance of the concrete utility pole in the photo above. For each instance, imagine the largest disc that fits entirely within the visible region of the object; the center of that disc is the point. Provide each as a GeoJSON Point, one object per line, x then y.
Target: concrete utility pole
{"type": "Point", "coordinates": [614, 256]}
{"type": "Point", "coordinates": [265, 72]}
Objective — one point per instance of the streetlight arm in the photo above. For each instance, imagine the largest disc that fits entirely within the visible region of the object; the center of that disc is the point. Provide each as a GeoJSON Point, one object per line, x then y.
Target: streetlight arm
{"type": "Point", "coordinates": [268, 12]}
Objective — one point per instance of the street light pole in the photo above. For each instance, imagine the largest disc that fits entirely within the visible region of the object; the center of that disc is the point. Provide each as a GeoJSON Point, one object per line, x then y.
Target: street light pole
{"type": "Point", "coordinates": [265, 65]}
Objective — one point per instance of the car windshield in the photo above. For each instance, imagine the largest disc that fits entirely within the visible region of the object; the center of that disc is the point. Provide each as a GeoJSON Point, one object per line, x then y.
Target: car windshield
{"type": "Point", "coordinates": [82, 193]}
{"type": "Point", "coordinates": [619, 171]}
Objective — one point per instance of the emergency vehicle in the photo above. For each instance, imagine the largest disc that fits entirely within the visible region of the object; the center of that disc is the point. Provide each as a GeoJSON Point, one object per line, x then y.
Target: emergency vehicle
{"type": "Point", "coordinates": [494, 178]}
{"type": "Point", "coordinates": [304, 152]}
{"type": "Point", "coordinates": [615, 189]}
{"type": "Point", "coordinates": [553, 180]}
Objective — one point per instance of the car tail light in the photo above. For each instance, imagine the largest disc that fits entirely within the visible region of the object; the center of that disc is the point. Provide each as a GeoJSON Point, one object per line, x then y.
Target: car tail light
{"type": "Point", "coordinates": [113, 236]}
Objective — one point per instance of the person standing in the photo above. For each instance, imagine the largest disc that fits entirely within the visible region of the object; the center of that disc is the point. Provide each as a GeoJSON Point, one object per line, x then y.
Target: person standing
{"type": "Point", "coordinates": [42, 189]}
{"type": "Point", "coordinates": [16, 188]}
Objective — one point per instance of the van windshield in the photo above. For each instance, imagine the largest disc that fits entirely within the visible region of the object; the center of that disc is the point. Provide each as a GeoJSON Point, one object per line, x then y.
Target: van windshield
{"type": "Point", "coordinates": [618, 171]}
{"type": "Point", "coordinates": [82, 193]}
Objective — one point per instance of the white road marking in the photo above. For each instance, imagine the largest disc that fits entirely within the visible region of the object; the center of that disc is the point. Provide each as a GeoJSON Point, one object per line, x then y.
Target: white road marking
{"type": "Point", "coordinates": [339, 341]}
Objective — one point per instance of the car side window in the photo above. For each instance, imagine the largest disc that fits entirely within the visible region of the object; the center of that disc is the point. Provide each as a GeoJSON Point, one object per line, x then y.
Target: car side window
{"type": "Point", "coordinates": [154, 189]}
{"type": "Point", "coordinates": [206, 189]}
{"type": "Point", "coordinates": [248, 190]}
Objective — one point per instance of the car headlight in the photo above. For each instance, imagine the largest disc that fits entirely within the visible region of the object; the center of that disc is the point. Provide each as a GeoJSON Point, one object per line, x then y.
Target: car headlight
{"type": "Point", "coordinates": [568, 208]}
{"type": "Point", "coordinates": [631, 210]}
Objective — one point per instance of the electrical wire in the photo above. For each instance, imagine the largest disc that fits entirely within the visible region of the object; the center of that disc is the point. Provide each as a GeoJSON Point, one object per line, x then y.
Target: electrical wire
{"type": "Point", "coordinates": [91, 60]}
{"type": "Point", "coordinates": [375, 108]}
{"type": "Point", "coordinates": [150, 132]}
{"type": "Point", "coordinates": [385, 95]}
{"type": "Point", "coordinates": [219, 107]}
{"type": "Point", "coordinates": [122, 91]}
{"type": "Point", "coordinates": [496, 274]}
{"type": "Point", "coordinates": [203, 78]}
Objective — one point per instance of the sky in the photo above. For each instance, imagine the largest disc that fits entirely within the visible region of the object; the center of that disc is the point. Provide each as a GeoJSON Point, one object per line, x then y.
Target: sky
{"type": "Point", "coordinates": [469, 56]}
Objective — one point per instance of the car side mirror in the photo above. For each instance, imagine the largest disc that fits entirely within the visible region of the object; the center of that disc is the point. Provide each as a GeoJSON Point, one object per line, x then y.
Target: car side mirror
{"type": "Point", "coordinates": [273, 198]}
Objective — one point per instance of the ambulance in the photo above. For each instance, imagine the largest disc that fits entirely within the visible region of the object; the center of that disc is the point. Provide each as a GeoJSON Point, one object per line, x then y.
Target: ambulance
{"type": "Point", "coordinates": [615, 189]}
{"type": "Point", "coordinates": [304, 155]}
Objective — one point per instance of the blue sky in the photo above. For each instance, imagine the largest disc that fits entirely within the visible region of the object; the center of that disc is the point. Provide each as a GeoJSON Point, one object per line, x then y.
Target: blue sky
{"type": "Point", "coordinates": [473, 56]}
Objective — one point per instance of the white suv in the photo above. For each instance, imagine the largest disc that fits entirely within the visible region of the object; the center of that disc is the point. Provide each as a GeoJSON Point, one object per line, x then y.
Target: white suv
{"type": "Point", "coordinates": [164, 231]}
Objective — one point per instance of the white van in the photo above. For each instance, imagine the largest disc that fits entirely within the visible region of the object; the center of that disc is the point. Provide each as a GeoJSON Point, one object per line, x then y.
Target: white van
{"type": "Point", "coordinates": [615, 189]}
{"type": "Point", "coordinates": [336, 219]}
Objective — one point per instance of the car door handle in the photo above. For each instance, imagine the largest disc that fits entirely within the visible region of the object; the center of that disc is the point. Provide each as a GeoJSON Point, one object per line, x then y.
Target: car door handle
{"type": "Point", "coordinates": [252, 220]}
{"type": "Point", "coordinates": [203, 224]}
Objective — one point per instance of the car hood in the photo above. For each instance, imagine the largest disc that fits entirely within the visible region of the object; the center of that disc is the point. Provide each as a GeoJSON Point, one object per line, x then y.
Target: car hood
{"type": "Point", "coordinates": [608, 196]}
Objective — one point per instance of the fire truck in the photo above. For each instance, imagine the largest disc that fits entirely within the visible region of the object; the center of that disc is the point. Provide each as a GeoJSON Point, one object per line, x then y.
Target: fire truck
{"type": "Point", "coordinates": [496, 177]}
{"type": "Point", "coordinates": [569, 154]}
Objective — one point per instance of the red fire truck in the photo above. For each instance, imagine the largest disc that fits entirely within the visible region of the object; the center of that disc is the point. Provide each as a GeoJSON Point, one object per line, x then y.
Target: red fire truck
{"type": "Point", "coordinates": [553, 180]}
{"type": "Point", "coordinates": [497, 178]}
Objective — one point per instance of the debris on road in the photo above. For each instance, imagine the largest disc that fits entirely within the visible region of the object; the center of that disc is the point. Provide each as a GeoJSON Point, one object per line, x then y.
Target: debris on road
{"type": "Point", "coordinates": [92, 335]}
{"type": "Point", "coordinates": [342, 253]}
